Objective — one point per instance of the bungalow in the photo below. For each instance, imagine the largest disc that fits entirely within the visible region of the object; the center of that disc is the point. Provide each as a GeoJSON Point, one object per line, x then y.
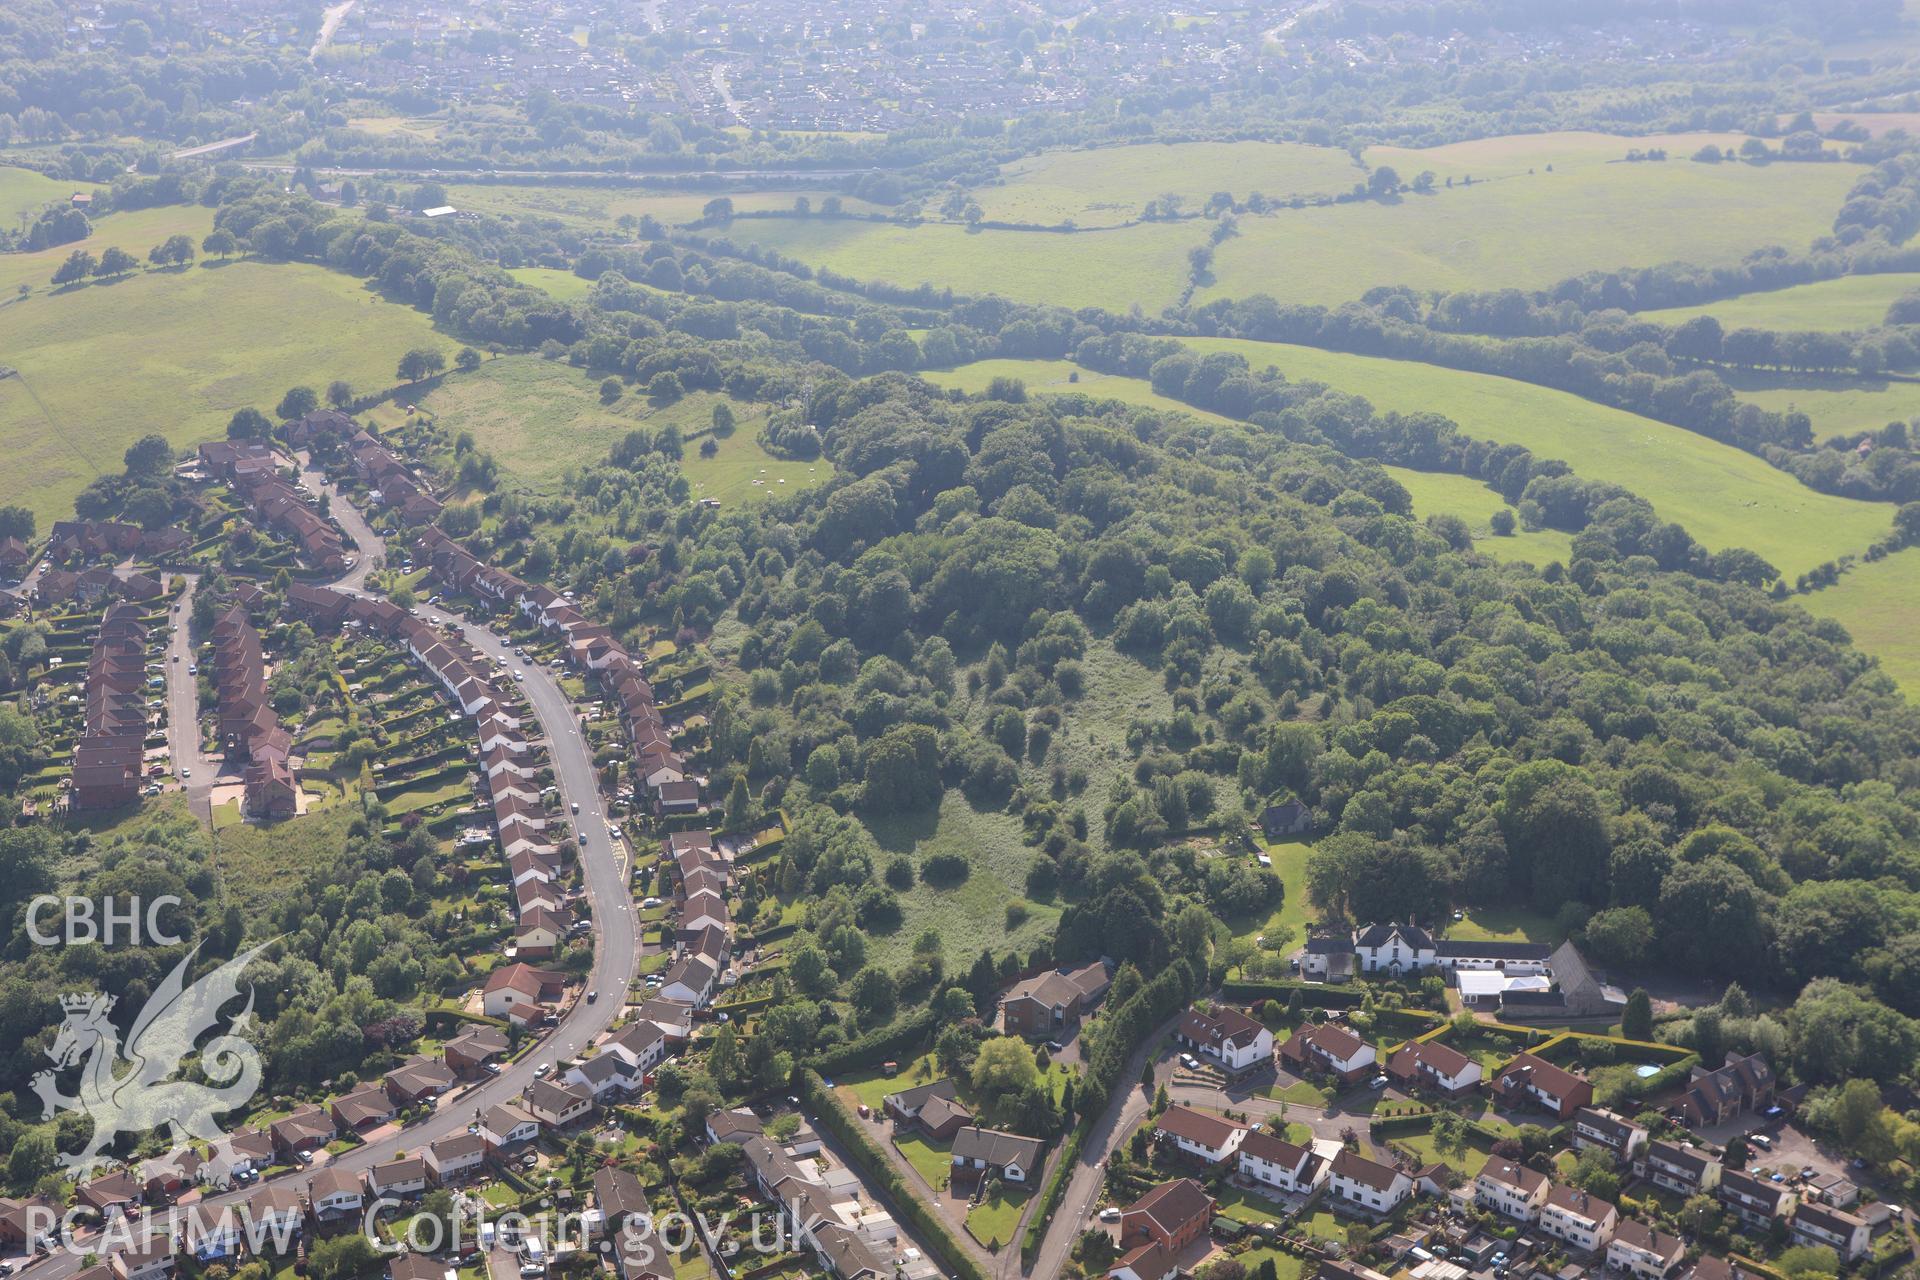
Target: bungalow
{"type": "Point", "coordinates": [934, 1108]}
{"type": "Point", "coordinates": [556, 1106]}
{"type": "Point", "coordinates": [977, 1152]}
{"type": "Point", "coordinates": [1608, 1131]}
{"type": "Point", "coordinates": [456, 1159]}
{"type": "Point", "coordinates": [677, 798]}
{"type": "Point", "coordinates": [519, 984]}
{"type": "Point", "coordinates": [334, 1193]}
{"type": "Point", "coordinates": [1679, 1167]}
{"type": "Point", "coordinates": [734, 1126]}
{"type": "Point", "coordinates": [1534, 1079]}
{"type": "Point", "coordinates": [114, 1193]}
{"type": "Point", "coordinates": [470, 1051]}
{"type": "Point", "coordinates": [406, 1176]}
{"type": "Point", "coordinates": [1150, 1261]}
{"type": "Point", "coordinates": [1198, 1133]}
{"type": "Point", "coordinates": [1227, 1036]}
{"type": "Point", "coordinates": [1428, 1064]}
{"type": "Point", "coordinates": [418, 1079]}
{"type": "Point", "coordinates": [1050, 1005]}
{"type": "Point", "coordinates": [1510, 1188]}
{"type": "Point", "coordinates": [1819, 1224]}
{"type": "Point", "coordinates": [1755, 1200]}
{"type": "Point", "coordinates": [306, 1130]}
{"type": "Point", "coordinates": [507, 1126]}
{"type": "Point", "coordinates": [1641, 1251]}
{"type": "Point", "coordinates": [364, 1109]}
{"type": "Point", "coordinates": [1368, 1184]}
{"type": "Point", "coordinates": [1173, 1215]}
{"type": "Point", "coordinates": [1279, 1163]}
{"type": "Point", "coordinates": [845, 1253]}
{"type": "Point", "coordinates": [244, 1151]}
{"type": "Point", "coordinates": [1279, 821]}
{"type": "Point", "coordinates": [1584, 1222]}
{"type": "Point", "coordinates": [1328, 1047]}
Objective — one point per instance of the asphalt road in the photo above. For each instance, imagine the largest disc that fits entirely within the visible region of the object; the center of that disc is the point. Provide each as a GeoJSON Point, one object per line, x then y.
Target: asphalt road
{"type": "Point", "coordinates": [183, 706]}
{"type": "Point", "coordinates": [605, 876]}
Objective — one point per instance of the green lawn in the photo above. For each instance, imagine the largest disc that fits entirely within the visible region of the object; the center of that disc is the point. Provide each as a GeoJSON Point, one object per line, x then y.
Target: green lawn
{"type": "Point", "coordinates": [1300, 1093]}
{"type": "Point", "coordinates": [1528, 229]}
{"type": "Point", "coordinates": [1506, 924]}
{"type": "Point", "coordinates": [1063, 377]}
{"type": "Point", "coordinates": [1443, 493]}
{"type": "Point", "coordinates": [1286, 927]}
{"type": "Point", "coordinates": [993, 1221]}
{"type": "Point", "coordinates": [1108, 185]}
{"type": "Point", "coordinates": [742, 471]}
{"type": "Point", "coordinates": [1879, 605]}
{"type": "Point", "coordinates": [176, 353]}
{"type": "Point", "coordinates": [1724, 497]}
{"type": "Point", "coordinates": [931, 1158]}
{"type": "Point", "coordinates": [1850, 302]}
{"type": "Point", "coordinates": [1113, 269]}
{"type": "Point", "coordinates": [1286, 1266]}
{"type": "Point", "coordinates": [562, 285]}
{"type": "Point", "coordinates": [1246, 1206]}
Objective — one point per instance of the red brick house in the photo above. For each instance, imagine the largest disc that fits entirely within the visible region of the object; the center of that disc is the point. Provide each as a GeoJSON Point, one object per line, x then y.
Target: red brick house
{"type": "Point", "coordinates": [1173, 1215]}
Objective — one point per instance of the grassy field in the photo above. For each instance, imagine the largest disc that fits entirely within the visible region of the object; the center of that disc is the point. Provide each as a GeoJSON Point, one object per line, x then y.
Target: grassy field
{"type": "Point", "coordinates": [1109, 185]}
{"type": "Point", "coordinates": [1051, 377]}
{"type": "Point", "coordinates": [1838, 405]}
{"type": "Point", "coordinates": [1724, 497]}
{"type": "Point", "coordinates": [1506, 924]}
{"type": "Point", "coordinates": [603, 205]}
{"type": "Point", "coordinates": [973, 914]}
{"type": "Point", "coordinates": [1111, 269]}
{"type": "Point", "coordinates": [1442, 493]}
{"type": "Point", "coordinates": [742, 471]}
{"type": "Point", "coordinates": [136, 232]}
{"type": "Point", "coordinates": [993, 1220]}
{"type": "Point", "coordinates": [258, 863]}
{"type": "Point", "coordinates": [1286, 927]}
{"type": "Point", "coordinates": [1879, 605]}
{"type": "Point", "coordinates": [1511, 154]}
{"type": "Point", "coordinates": [24, 192]}
{"type": "Point", "coordinates": [1491, 235]}
{"type": "Point", "coordinates": [563, 285]}
{"type": "Point", "coordinates": [176, 353]}
{"type": "Point", "coordinates": [1850, 302]}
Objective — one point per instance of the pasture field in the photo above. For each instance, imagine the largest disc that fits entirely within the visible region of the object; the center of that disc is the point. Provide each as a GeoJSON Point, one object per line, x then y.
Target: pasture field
{"type": "Point", "coordinates": [742, 471]}
{"type": "Point", "coordinates": [1528, 230]}
{"type": "Point", "coordinates": [563, 286]}
{"type": "Point", "coordinates": [1567, 149]}
{"type": "Point", "coordinates": [1111, 269]}
{"type": "Point", "coordinates": [1724, 497]}
{"type": "Point", "coordinates": [425, 128]}
{"type": "Point", "coordinates": [136, 231]}
{"type": "Point", "coordinates": [1879, 605]}
{"type": "Point", "coordinates": [603, 205]}
{"type": "Point", "coordinates": [1052, 377]}
{"type": "Point", "coordinates": [1832, 306]}
{"type": "Point", "coordinates": [1106, 186]}
{"type": "Point", "coordinates": [1443, 493]}
{"type": "Point", "coordinates": [1838, 405]}
{"type": "Point", "coordinates": [176, 353]}
{"type": "Point", "coordinates": [24, 192]}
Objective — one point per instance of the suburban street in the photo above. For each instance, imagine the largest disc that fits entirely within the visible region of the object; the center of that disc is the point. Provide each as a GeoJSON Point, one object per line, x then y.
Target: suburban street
{"type": "Point", "coordinates": [604, 874]}
{"type": "Point", "coordinates": [183, 706]}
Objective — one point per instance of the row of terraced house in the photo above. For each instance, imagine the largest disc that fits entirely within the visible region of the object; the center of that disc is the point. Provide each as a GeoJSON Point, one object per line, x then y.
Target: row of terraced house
{"type": "Point", "coordinates": [109, 753]}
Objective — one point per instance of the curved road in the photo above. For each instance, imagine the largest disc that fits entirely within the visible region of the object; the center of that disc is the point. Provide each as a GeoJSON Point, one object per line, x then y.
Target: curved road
{"type": "Point", "coordinates": [605, 877]}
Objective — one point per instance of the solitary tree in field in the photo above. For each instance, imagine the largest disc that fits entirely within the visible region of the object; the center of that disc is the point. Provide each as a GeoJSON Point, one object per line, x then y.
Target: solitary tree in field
{"type": "Point", "coordinates": [221, 244]}
{"type": "Point", "coordinates": [79, 265]}
{"type": "Point", "coordinates": [421, 362]}
{"type": "Point", "coordinates": [466, 360]}
{"type": "Point", "coordinates": [718, 209]}
{"type": "Point", "coordinates": [723, 422]}
{"type": "Point", "coordinates": [148, 455]}
{"type": "Point", "coordinates": [297, 403]}
{"type": "Point", "coordinates": [339, 393]}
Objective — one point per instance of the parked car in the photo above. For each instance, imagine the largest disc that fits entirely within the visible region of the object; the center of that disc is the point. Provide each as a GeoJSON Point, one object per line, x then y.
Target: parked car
{"type": "Point", "coordinates": [542, 1071]}
{"type": "Point", "coordinates": [1761, 1141]}
{"type": "Point", "coordinates": [592, 996]}
{"type": "Point", "coordinates": [1190, 1062]}
{"type": "Point", "coordinates": [1378, 1082]}
{"type": "Point", "coordinates": [1110, 1214]}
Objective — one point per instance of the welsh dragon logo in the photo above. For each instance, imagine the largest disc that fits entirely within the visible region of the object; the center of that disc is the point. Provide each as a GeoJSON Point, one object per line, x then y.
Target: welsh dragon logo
{"type": "Point", "coordinates": [136, 1092]}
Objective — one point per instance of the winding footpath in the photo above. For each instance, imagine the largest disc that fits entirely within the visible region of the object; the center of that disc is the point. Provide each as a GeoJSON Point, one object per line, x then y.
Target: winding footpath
{"type": "Point", "coordinates": [604, 872]}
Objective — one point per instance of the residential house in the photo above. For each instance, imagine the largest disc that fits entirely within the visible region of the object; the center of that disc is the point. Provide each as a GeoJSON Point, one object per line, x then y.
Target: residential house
{"type": "Point", "coordinates": [334, 1193]}
{"type": "Point", "coordinates": [1843, 1232]}
{"type": "Point", "coordinates": [305, 1131]}
{"type": "Point", "coordinates": [619, 1195]}
{"type": "Point", "coordinates": [1279, 1163]}
{"type": "Point", "coordinates": [1368, 1184]}
{"type": "Point", "coordinates": [555, 1105]}
{"type": "Point", "coordinates": [148, 1258]}
{"type": "Point", "coordinates": [114, 1193]}
{"type": "Point", "coordinates": [417, 1266]}
{"type": "Point", "coordinates": [1173, 1215]}
{"type": "Point", "coordinates": [1575, 993]}
{"type": "Point", "coordinates": [906, 1106]}
{"type": "Point", "coordinates": [1529, 1078]}
{"type": "Point", "coordinates": [1283, 821]}
{"type": "Point", "coordinates": [1328, 956]}
{"type": "Point", "coordinates": [406, 1176]}
{"type": "Point", "coordinates": [364, 1109]}
{"type": "Point", "coordinates": [469, 1052]}
{"type": "Point", "coordinates": [417, 1080]}
{"type": "Point", "coordinates": [1428, 1064]}
{"type": "Point", "coordinates": [1394, 948]}
{"type": "Point", "coordinates": [275, 1216]}
{"type": "Point", "coordinates": [1228, 1036]}
{"type": "Point", "coordinates": [941, 1118]}
{"type": "Point", "coordinates": [1150, 1261]}
{"type": "Point", "coordinates": [641, 1044]}
{"type": "Point", "coordinates": [213, 1233]}
{"type": "Point", "coordinates": [1584, 1222]}
{"type": "Point", "coordinates": [1328, 1048]}
{"type": "Point", "coordinates": [1641, 1251]}
{"type": "Point", "coordinates": [604, 1076]}
{"type": "Point", "coordinates": [24, 1223]}
{"type": "Point", "coordinates": [1757, 1201]}
{"type": "Point", "coordinates": [734, 1126]}
{"type": "Point", "coordinates": [1208, 1137]}
{"type": "Point", "coordinates": [507, 1126]}
{"type": "Point", "coordinates": [1050, 1005]}
{"type": "Point", "coordinates": [1743, 1085]}
{"type": "Point", "coordinates": [455, 1159]}
{"type": "Point", "coordinates": [519, 984]}
{"type": "Point", "coordinates": [1609, 1131]}
{"type": "Point", "coordinates": [977, 1152]}
{"type": "Point", "coordinates": [1509, 1188]}
{"type": "Point", "coordinates": [1681, 1168]}
{"type": "Point", "coordinates": [691, 979]}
